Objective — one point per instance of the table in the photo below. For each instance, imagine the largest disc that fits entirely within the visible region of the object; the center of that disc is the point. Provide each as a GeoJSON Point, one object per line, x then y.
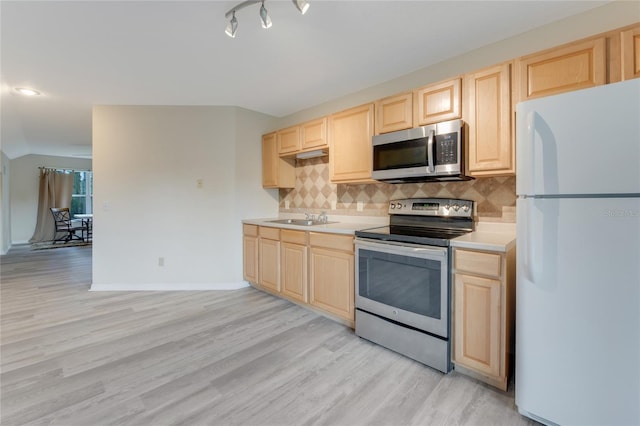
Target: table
{"type": "Point", "coordinates": [87, 225]}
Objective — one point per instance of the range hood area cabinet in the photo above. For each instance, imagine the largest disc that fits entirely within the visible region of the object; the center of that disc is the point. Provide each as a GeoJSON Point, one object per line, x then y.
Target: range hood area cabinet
{"type": "Point", "coordinates": [309, 136]}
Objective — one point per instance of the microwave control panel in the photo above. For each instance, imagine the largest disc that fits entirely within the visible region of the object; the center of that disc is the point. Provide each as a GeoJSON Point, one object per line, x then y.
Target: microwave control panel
{"type": "Point", "coordinates": [446, 149]}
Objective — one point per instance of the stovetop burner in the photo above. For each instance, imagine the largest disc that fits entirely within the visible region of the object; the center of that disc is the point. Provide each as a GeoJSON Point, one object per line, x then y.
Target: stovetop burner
{"type": "Point", "coordinates": [425, 221]}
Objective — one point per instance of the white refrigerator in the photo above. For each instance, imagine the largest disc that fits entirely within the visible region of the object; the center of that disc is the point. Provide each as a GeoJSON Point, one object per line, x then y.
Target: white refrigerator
{"type": "Point", "coordinates": [578, 259]}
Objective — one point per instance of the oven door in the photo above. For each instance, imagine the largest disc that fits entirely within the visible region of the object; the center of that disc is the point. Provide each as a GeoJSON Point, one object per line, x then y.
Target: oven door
{"type": "Point", "coordinates": [405, 283]}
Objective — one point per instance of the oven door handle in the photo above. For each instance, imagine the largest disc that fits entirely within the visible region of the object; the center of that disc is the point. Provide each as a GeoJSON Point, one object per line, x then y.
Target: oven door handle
{"type": "Point", "coordinates": [407, 250]}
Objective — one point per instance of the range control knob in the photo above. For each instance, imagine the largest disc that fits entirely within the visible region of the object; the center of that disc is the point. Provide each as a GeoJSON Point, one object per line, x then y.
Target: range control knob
{"type": "Point", "coordinates": [447, 206]}
{"type": "Point", "coordinates": [456, 207]}
{"type": "Point", "coordinates": [465, 208]}
{"type": "Point", "coordinates": [392, 206]}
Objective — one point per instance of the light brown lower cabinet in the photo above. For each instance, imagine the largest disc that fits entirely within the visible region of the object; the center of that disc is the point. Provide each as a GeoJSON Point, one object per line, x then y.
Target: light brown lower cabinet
{"type": "Point", "coordinates": [269, 258]}
{"type": "Point", "coordinates": [250, 252]}
{"type": "Point", "coordinates": [484, 314]}
{"type": "Point", "coordinates": [332, 275]}
{"type": "Point", "coordinates": [310, 268]}
{"type": "Point", "coordinates": [293, 258]}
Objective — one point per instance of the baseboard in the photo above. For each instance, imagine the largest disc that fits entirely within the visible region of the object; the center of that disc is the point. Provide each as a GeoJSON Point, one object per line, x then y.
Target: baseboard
{"type": "Point", "coordinates": [168, 286]}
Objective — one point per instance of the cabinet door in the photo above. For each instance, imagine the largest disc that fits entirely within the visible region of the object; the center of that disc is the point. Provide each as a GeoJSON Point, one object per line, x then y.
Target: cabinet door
{"type": "Point", "coordinates": [477, 327]}
{"type": "Point", "coordinates": [332, 282]}
{"type": "Point", "coordinates": [294, 271]}
{"type": "Point", "coordinates": [488, 115]}
{"type": "Point", "coordinates": [250, 258]}
{"type": "Point", "coordinates": [269, 260]}
{"type": "Point", "coordinates": [437, 102]}
{"type": "Point", "coordinates": [276, 172]}
{"type": "Point", "coordinates": [630, 46]}
{"type": "Point", "coordinates": [394, 113]}
{"type": "Point", "coordinates": [288, 140]}
{"type": "Point", "coordinates": [350, 155]}
{"type": "Point", "coordinates": [314, 134]}
{"type": "Point", "coordinates": [573, 67]}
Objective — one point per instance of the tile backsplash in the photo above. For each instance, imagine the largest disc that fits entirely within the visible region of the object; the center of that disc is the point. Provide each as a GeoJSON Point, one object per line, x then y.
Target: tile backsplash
{"type": "Point", "coordinates": [495, 197]}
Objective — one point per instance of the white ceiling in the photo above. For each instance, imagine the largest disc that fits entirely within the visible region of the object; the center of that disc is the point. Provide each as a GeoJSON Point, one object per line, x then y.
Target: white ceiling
{"type": "Point", "coordinates": [80, 54]}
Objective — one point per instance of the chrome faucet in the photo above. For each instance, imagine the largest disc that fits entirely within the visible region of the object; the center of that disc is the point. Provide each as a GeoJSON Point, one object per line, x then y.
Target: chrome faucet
{"type": "Point", "coordinates": [323, 217]}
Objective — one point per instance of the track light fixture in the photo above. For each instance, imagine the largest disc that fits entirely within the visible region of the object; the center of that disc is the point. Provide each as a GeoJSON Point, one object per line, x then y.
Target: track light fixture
{"type": "Point", "coordinates": [265, 19]}
{"type": "Point", "coordinates": [232, 26]}
{"type": "Point", "coordinates": [302, 5]}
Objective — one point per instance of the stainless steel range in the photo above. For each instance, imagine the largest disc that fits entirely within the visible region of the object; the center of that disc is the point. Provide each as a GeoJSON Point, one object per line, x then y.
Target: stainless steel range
{"type": "Point", "coordinates": [403, 282]}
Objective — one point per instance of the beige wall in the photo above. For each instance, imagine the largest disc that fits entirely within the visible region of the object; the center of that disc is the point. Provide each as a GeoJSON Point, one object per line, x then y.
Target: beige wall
{"type": "Point", "coordinates": [147, 203]}
{"type": "Point", "coordinates": [611, 16]}
{"type": "Point", "coordinates": [495, 197]}
{"type": "Point", "coordinates": [24, 177]}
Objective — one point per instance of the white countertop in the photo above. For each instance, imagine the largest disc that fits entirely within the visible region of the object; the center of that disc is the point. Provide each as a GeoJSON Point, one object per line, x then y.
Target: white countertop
{"type": "Point", "coordinates": [499, 237]}
{"type": "Point", "coordinates": [342, 225]}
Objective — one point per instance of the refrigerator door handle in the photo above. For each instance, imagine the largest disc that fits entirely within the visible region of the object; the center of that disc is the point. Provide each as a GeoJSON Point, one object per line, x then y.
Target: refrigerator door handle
{"type": "Point", "coordinates": [531, 138]}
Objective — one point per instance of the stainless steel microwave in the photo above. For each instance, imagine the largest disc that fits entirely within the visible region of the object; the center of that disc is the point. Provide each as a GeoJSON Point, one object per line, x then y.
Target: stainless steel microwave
{"type": "Point", "coordinates": [429, 153]}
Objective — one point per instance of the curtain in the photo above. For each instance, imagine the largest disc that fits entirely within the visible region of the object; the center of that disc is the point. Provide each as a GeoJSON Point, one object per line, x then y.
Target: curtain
{"type": "Point", "coordinates": [56, 189]}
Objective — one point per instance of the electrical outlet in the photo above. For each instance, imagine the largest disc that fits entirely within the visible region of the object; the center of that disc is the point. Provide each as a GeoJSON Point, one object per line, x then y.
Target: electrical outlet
{"type": "Point", "coordinates": [360, 206]}
{"type": "Point", "coordinates": [333, 204]}
{"type": "Point", "coordinates": [287, 203]}
{"type": "Point", "coordinates": [161, 261]}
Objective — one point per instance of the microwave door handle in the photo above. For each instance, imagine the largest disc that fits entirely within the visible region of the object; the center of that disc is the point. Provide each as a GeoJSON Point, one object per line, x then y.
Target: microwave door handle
{"type": "Point", "coordinates": [430, 139]}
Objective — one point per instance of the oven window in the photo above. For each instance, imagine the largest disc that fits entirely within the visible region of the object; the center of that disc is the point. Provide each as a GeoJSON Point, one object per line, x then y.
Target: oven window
{"type": "Point", "coordinates": [400, 155]}
{"type": "Point", "coordinates": [409, 283]}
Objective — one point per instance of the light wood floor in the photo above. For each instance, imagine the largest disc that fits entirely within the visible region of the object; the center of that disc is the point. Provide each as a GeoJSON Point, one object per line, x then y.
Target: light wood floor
{"type": "Point", "coordinates": [74, 357]}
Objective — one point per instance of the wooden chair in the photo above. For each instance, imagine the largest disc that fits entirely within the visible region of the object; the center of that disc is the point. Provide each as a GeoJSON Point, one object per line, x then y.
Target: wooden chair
{"type": "Point", "coordinates": [62, 219]}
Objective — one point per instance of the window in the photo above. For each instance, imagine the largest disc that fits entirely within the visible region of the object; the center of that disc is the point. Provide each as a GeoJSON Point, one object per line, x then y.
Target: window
{"type": "Point", "coordinates": [82, 197]}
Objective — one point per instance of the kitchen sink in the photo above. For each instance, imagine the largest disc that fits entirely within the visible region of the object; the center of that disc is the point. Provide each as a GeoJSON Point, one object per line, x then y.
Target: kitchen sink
{"type": "Point", "coordinates": [300, 222]}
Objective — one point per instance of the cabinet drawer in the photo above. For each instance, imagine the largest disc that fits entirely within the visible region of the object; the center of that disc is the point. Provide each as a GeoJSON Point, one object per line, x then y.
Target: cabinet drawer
{"type": "Point", "coordinates": [295, 237]}
{"type": "Point", "coordinates": [270, 233]}
{"type": "Point", "coordinates": [250, 230]}
{"type": "Point", "coordinates": [331, 241]}
{"type": "Point", "coordinates": [476, 262]}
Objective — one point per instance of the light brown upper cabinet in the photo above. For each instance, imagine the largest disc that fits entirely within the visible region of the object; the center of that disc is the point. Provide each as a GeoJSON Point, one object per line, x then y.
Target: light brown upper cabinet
{"type": "Point", "coordinates": [314, 134]}
{"type": "Point", "coordinates": [630, 49]}
{"type": "Point", "coordinates": [571, 67]}
{"type": "Point", "coordinates": [289, 140]}
{"type": "Point", "coordinates": [437, 102]}
{"type": "Point", "coordinates": [488, 115]}
{"type": "Point", "coordinates": [350, 153]}
{"type": "Point", "coordinates": [276, 172]}
{"type": "Point", "coordinates": [394, 113]}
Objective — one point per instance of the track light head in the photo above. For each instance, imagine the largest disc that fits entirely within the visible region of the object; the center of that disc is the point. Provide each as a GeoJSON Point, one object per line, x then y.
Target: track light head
{"type": "Point", "coordinates": [264, 17]}
{"type": "Point", "coordinates": [301, 5]}
{"type": "Point", "coordinates": [232, 26]}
